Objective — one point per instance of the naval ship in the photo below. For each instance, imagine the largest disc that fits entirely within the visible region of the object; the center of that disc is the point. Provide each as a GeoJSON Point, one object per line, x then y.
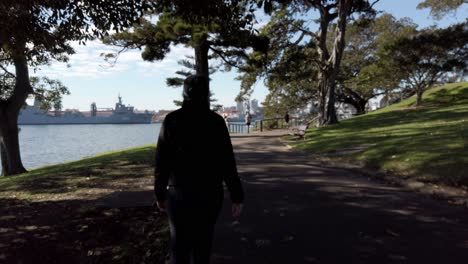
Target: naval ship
{"type": "Point", "coordinates": [33, 115]}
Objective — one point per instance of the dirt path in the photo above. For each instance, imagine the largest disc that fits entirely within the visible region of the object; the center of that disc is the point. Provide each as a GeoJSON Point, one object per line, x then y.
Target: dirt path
{"type": "Point", "coordinates": [300, 211]}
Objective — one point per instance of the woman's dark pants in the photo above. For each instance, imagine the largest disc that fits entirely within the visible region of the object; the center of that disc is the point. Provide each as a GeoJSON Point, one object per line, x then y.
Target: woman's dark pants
{"type": "Point", "coordinates": [192, 219]}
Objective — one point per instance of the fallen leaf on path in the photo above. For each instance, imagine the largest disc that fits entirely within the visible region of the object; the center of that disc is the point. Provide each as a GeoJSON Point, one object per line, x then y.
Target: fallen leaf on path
{"type": "Point", "coordinates": [390, 232]}
{"type": "Point", "coordinates": [262, 242]}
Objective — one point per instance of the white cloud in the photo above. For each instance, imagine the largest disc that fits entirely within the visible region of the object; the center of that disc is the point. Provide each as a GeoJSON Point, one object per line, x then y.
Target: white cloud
{"type": "Point", "coordinates": [168, 66]}
{"type": "Point", "coordinates": [130, 56]}
{"type": "Point", "coordinates": [180, 52]}
{"type": "Point", "coordinates": [87, 62]}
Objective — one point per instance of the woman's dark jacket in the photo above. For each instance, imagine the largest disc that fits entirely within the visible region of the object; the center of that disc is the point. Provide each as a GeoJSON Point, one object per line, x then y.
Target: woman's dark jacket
{"type": "Point", "coordinates": [194, 156]}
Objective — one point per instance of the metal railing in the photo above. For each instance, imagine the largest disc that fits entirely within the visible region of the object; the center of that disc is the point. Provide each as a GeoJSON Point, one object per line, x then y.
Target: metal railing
{"type": "Point", "coordinates": [240, 128]}
{"type": "Point", "coordinates": [277, 123]}
{"type": "Point", "coordinates": [265, 124]}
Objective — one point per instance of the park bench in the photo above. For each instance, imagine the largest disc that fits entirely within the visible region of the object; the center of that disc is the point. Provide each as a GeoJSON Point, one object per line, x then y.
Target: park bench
{"type": "Point", "coordinates": [299, 130]}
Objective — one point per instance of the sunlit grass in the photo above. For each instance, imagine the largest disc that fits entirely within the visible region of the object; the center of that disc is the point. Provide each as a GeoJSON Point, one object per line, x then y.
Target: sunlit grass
{"type": "Point", "coordinates": [429, 143]}
{"type": "Point", "coordinates": [73, 178]}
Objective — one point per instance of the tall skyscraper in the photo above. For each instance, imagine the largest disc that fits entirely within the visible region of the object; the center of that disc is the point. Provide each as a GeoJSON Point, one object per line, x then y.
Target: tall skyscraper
{"type": "Point", "coordinates": [254, 106]}
{"type": "Point", "coordinates": [240, 107]}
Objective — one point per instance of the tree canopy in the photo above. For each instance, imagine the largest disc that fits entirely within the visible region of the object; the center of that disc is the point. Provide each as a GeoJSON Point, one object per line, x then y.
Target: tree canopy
{"type": "Point", "coordinates": [428, 56]}
{"type": "Point", "coordinates": [226, 36]}
{"type": "Point", "coordinates": [35, 32]}
{"type": "Point", "coordinates": [365, 73]}
{"type": "Point", "coordinates": [440, 8]}
{"type": "Point", "coordinates": [328, 41]}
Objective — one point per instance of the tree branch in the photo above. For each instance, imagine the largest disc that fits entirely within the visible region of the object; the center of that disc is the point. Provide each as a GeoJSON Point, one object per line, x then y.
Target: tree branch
{"type": "Point", "coordinates": [372, 5]}
{"type": "Point", "coordinates": [305, 32]}
{"type": "Point", "coordinates": [221, 55]}
{"type": "Point", "coordinates": [314, 3]}
{"type": "Point", "coordinates": [115, 58]}
{"type": "Point", "coordinates": [6, 71]}
{"type": "Point", "coordinates": [331, 6]}
{"type": "Point", "coordinates": [22, 86]}
{"type": "Point", "coordinates": [299, 39]}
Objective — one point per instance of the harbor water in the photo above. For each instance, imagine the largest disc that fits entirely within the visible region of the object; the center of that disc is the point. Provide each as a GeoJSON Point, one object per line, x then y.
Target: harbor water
{"type": "Point", "coordinates": [52, 144]}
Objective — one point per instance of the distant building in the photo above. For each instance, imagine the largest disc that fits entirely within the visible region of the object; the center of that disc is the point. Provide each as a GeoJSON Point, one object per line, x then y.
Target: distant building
{"type": "Point", "coordinates": [230, 108]}
{"type": "Point", "coordinates": [160, 115]}
{"type": "Point", "coordinates": [254, 106]}
{"type": "Point", "coordinates": [240, 107]}
{"type": "Point", "coordinates": [230, 112]}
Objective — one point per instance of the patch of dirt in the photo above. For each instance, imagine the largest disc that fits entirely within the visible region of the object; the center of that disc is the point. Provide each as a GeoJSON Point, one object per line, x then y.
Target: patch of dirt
{"type": "Point", "coordinates": [75, 231]}
{"type": "Point", "coordinates": [60, 220]}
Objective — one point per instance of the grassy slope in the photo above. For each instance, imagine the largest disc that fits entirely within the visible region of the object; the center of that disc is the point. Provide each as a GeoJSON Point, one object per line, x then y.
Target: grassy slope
{"type": "Point", "coordinates": [100, 173]}
{"type": "Point", "coordinates": [428, 143]}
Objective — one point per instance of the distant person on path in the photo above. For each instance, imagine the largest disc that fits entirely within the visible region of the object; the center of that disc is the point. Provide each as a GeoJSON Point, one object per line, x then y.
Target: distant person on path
{"type": "Point", "coordinates": [248, 120]}
{"type": "Point", "coordinates": [226, 120]}
{"type": "Point", "coordinates": [286, 119]}
{"type": "Point", "coordinates": [194, 156]}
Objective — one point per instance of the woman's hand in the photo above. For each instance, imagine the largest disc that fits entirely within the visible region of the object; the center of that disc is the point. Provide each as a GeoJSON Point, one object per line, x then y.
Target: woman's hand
{"type": "Point", "coordinates": [161, 206]}
{"type": "Point", "coordinates": [236, 209]}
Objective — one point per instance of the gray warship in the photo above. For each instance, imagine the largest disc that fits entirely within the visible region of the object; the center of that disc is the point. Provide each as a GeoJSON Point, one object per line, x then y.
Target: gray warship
{"type": "Point", "coordinates": [33, 115]}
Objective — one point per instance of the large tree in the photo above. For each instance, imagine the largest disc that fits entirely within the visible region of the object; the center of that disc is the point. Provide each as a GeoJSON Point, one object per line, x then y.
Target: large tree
{"type": "Point", "coordinates": [224, 33]}
{"type": "Point", "coordinates": [290, 82]}
{"type": "Point", "coordinates": [427, 57]}
{"type": "Point", "coordinates": [291, 74]}
{"type": "Point", "coordinates": [35, 32]}
{"type": "Point", "coordinates": [329, 45]}
{"type": "Point", "coordinates": [364, 73]}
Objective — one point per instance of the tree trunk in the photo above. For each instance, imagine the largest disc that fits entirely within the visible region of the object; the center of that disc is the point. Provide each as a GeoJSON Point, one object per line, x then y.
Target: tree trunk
{"type": "Point", "coordinates": [419, 94]}
{"type": "Point", "coordinates": [3, 152]}
{"type": "Point", "coordinates": [330, 63]}
{"type": "Point", "coordinates": [322, 49]}
{"type": "Point", "coordinates": [322, 100]}
{"type": "Point", "coordinates": [201, 63]}
{"type": "Point", "coordinates": [357, 101]}
{"type": "Point", "coordinates": [9, 111]}
{"type": "Point", "coordinates": [9, 145]}
{"type": "Point", "coordinates": [327, 111]}
{"type": "Point", "coordinates": [201, 59]}
{"type": "Point", "coordinates": [330, 114]}
{"type": "Point", "coordinates": [361, 107]}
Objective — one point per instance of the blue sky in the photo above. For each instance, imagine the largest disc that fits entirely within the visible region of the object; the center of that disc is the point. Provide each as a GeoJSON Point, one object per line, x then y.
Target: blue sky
{"type": "Point", "coordinates": [142, 84]}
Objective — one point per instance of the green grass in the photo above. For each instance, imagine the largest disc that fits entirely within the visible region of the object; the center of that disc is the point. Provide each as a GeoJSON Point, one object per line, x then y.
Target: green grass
{"type": "Point", "coordinates": [428, 143]}
{"type": "Point", "coordinates": [73, 179]}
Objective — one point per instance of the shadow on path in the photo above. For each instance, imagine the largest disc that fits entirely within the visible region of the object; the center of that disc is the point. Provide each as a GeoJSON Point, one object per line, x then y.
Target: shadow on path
{"type": "Point", "coordinates": [299, 211]}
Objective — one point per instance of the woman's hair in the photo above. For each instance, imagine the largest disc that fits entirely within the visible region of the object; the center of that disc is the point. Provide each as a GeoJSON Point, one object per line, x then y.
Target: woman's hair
{"type": "Point", "coordinates": [196, 89]}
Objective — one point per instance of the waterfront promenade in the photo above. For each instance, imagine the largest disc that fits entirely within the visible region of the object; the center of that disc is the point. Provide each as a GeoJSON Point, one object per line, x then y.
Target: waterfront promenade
{"type": "Point", "coordinates": [298, 210]}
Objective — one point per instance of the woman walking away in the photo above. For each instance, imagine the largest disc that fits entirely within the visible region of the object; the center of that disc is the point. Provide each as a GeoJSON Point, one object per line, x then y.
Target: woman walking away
{"type": "Point", "coordinates": [194, 157]}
